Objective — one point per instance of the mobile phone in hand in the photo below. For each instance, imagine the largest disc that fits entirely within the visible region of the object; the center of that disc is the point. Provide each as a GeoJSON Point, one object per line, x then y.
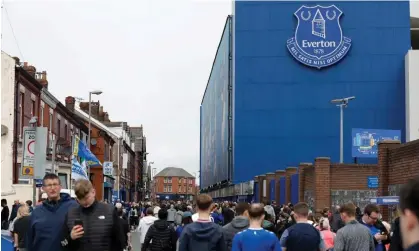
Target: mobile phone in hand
{"type": "Point", "coordinates": [78, 222]}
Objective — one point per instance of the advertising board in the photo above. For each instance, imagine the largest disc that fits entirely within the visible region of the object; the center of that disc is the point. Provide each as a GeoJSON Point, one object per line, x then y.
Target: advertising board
{"type": "Point", "coordinates": [214, 118]}
{"type": "Point", "coordinates": [365, 141]}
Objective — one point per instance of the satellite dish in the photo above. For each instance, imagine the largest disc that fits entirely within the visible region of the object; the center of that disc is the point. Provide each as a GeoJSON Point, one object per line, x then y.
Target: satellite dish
{"type": "Point", "coordinates": [93, 142]}
{"type": "Point", "coordinates": [4, 130]}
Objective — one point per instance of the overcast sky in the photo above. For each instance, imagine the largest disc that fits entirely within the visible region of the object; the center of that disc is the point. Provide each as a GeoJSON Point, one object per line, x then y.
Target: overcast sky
{"type": "Point", "coordinates": [151, 59]}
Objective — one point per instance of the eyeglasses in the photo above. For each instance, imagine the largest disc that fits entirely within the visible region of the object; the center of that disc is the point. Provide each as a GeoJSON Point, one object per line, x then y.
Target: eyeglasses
{"type": "Point", "coordinates": [51, 185]}
{"type": "Point", "coordinates": [373, 218]}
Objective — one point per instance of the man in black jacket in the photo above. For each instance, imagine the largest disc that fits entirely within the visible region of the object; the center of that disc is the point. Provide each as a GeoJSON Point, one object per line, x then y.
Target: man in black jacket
{"type": "Point", "coordinates": [161, 235]}
{"type": "Point", "coordinates": [93, 226]}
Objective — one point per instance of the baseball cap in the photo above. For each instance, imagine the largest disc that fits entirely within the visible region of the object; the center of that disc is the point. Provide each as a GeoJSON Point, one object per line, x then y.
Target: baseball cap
{"type": "Point", "coordinates": [187, 214]}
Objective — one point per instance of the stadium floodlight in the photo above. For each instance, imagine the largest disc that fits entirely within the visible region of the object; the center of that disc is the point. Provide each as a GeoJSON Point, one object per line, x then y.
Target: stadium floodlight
{"type": "Point", "coordinates": [341, 103]}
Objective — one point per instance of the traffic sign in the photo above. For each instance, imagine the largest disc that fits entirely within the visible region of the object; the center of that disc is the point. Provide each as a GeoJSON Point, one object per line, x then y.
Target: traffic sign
{"type": "Point", "coordinates": [108, 168]}
{"type": "Point", "coordinates": [38, 182]}
{"type": "Point", "coordinates": [28, 153]}
{"type": "Point", "coordinates": [372, 181]}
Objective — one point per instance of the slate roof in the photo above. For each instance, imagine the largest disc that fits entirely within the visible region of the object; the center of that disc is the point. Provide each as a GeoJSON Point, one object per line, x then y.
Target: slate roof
{"type": "Point", "coordinates": [174, 172]}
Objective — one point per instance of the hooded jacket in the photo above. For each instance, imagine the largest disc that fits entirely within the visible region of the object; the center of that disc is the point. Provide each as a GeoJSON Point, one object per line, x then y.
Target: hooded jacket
{"type": "Point", "coordinates": [238, 224]}
{"type": "Point", "coordinates": [178, 217]}
{"type": "Point", "coordinates": [46, 222]}
{"type": "Point", "coordinates": [144, 225]}
{"type": "Point", "coordinates": [171, 213]}
{"type": "Point", "coordinates": [202, 236]}
{"type": "Point", "coordinates": [160, 237]}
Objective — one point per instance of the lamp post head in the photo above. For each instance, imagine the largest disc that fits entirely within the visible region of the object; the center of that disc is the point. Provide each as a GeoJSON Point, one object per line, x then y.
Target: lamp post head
{"type": "Point", "coordinates": [342, 100]}
{"type": "Point", "coordinates": [97, 92]}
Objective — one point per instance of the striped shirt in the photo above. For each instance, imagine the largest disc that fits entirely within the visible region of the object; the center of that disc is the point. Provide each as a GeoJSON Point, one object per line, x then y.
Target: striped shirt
{"type": "Point", "coordinates": [354, 236]}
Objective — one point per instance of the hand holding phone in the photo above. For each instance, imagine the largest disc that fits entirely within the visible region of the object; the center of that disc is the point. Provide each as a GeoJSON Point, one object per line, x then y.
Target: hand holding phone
{"type": "Point", "coordinates": [77, 231]}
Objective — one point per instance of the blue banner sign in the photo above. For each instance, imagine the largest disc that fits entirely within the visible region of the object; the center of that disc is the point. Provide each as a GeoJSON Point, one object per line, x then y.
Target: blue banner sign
{"type": "Point", "coordinates": [318, 40]}
{"type": "Point", "coordinates": [385, 200]}
{"type": "Point", "coordinates": [38, 182]}
{"type": "Point", "coordinates": [365, 141]}
{"type": "Point", "coordinates": [372, 181]}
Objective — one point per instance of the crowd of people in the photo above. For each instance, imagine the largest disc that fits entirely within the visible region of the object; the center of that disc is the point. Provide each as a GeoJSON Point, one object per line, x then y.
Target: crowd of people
{"type": "Point", "coordinates": [85, 224]}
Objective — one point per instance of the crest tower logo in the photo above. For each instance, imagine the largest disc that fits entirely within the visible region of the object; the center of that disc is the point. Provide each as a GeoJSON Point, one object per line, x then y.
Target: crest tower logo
{"type": "Point", "coordinates": [318, 41]}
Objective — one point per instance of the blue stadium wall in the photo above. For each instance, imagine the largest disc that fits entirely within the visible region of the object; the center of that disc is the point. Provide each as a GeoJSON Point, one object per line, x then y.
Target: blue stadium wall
{"type": "Point", "coordinates": [281, 108]}
{"type": "Point", "coordinates": [215, 110]}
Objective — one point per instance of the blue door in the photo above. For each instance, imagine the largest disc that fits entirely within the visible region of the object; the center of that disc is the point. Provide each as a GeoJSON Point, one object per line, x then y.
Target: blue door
{"type": "Point", "coordinates": [294, 188]}
{"type": "Point", "coordinates": [256, 192]}
{"type": "Point", "coordinates": [272, 190]}
{"type": "Point", "coordinates": [282, 190]}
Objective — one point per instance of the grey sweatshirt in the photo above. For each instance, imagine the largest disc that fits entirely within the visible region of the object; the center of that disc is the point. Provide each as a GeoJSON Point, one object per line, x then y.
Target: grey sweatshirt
{"type": "Point", "coordinates": [171, 213]}
{"type": "Point", "coordinates": [238, 224]}
{"type": "Point", "coordinates": [354, 236]}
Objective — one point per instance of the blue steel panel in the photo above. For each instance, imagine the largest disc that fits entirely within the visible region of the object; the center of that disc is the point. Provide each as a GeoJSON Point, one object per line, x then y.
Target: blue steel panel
{"type": "Point", "coordinates": [256, 192]}
{"type": "Point", "coordinates": [282, 190]}
{"type": "Point", "coordinates": [294, 188]}
{"type": "Point", "coordinates": [214, 117]}
{"type": "Point", "coordinates": [282, 110]}
{"type": "Point", "coordinates": [272, 190]}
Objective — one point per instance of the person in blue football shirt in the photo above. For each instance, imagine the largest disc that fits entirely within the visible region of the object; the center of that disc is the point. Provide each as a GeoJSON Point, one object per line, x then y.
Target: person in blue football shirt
{"type": "Point", "coordinates": [215, 216]}
{"type": "Point", "coordinates": [255, 237]}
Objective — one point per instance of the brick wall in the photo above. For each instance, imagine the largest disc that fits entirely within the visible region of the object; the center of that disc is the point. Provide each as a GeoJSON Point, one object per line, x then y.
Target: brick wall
{"type": "Point", "coordinates": [321, 183]}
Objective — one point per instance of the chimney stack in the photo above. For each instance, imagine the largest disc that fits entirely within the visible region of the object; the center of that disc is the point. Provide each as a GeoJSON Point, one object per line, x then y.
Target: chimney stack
{"type": "Point", "coordinates": [17, 60]}
{"type": "Point", "coordinates": [43, 79]}
{"type": "Point", "coordinates": [70, 103]}
{"type": "Point", "coordinates": [106, 117]}
{"type": "Point", "coordinates": [29, 68]}
{"type": "Point", "coordinates": [100, 110]}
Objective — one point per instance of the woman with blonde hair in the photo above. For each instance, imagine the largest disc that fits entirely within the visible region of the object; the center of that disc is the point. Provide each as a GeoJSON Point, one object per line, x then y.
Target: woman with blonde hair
{"type": "Point", "coordinates": [21, 226]}
{"type": "Point", "coordinates": [327, 235]}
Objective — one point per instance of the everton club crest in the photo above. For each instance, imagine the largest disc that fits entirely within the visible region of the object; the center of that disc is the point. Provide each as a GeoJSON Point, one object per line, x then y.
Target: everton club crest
{"type": "Point", "coordinates": [318, 40]}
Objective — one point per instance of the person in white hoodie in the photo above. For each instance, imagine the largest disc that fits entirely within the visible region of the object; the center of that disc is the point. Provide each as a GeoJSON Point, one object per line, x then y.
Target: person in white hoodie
{"type": "Point", "coordinates": [270, 210]}
{"type": "Point", "coordinates": [145, 224]}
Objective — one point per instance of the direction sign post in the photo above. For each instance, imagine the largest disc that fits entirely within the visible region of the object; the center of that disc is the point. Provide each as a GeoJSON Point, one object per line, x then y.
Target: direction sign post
{"type": "Point", "coordinates": [108, 168]}
{"type": "Point", "coordinates": [34, 153]}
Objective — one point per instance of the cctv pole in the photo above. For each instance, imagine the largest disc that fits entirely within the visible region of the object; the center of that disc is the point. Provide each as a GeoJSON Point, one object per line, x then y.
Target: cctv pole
{"type": "Point", "coordinates": [88, 133]}
{"type": "Point", "coordinates": [33, 125]}
{"type": "Point", "coordinates": [53, 154]}
{"type": "Point", "coordinates": [341, 133]}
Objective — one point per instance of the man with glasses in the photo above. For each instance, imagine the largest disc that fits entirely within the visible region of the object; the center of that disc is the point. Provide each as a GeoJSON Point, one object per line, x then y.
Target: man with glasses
{"type": "Point", "coordinates": [47, 219]}
{"type": "Point", "coordinates": [371, 219]}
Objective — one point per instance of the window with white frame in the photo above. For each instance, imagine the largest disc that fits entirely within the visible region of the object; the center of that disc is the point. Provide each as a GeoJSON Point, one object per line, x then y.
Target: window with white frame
{"type": "Point", "coordinates": [165, 180]}
{"type": "Point", "coordinates": [33, 108]}
{"type": "Point", "coordinates": [165, 189]}
{"type": "Point", "coordinates": [63, 180]}
{"type": "Point", "coordinates": [169, 179]}
{"type": "Point", "coordinates": [169, 188]}
{"type": "Point", "coordinates": [51, 118]}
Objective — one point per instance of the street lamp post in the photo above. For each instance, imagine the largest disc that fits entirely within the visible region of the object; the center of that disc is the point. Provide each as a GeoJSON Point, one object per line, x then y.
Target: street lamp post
{"type": "Point", "coordinates": [149, 180]}
{"type": "Point", "coordinates": [97, 92]}
{"type": "Point", "coordinates": [341, 103]}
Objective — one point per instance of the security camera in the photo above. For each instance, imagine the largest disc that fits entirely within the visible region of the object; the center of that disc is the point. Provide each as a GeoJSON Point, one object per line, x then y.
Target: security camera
{"type": "Point", "coordinates": [349, 98]}
{"type": "Point", "coordinates": [33, 120]}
